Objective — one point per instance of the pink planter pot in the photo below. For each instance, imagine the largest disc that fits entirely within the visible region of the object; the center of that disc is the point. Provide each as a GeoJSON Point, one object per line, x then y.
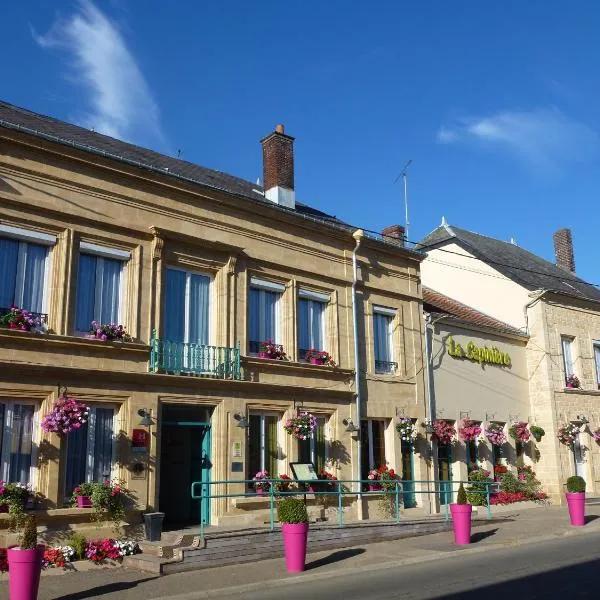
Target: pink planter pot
{"type": "Point", "coordinates": [315, 361]}
{"type": "Point", "coordinates": [576, 502]}
{"type": "Point", "coordinates": [295, 536]}
{"type": "Point", "coordinates": [261, 492]}
{"type": "Point", "coordinates": [263, 355]}
{"type": "Point", "coordinates": [374, 487]}
{"type": "Point", "coordinates": [461, 523]}
{"type": "Point", "coordinates": [84, 502]}
{"type": "Point", "coordinates": [24, 568]}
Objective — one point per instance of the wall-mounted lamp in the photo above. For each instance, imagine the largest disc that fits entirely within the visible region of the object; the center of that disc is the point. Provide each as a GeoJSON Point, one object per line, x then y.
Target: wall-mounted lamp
{"type": "Point", "coordinates": [146, 417]}
{"type": "Point", "coordinates": [350, 426]}
{"type": "Point", "coordinates": [242, 421]}
{"type": "Point", "coordinates": [582, 419]}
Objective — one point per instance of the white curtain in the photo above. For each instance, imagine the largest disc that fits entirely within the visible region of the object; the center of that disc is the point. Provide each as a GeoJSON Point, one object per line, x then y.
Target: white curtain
{"type": "Point", "coordinates": [263, 315]}
{"type": "Point", "coordinates": [310, 324]}
{"type": "Point", "coordinates": [9, 255]}
{"type": "Point", "coordinates": [567, 346]}
{"type": "Point", "coordinates": [382, 327]}
{"type": "Point", "coordinates": [199, 309]}
{"type": "Point", "coordinates": [33, 280]}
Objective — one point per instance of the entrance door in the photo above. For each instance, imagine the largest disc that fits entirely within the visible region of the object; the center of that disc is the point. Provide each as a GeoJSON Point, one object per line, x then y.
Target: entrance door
{"type": "Point", "coordinates": [408, 475]}
{"type": "Point", "coordinates": [578, 455]}
{"type": "Point", "coordinates": [185, 458]}
{"type": "Point", "coordinates": [445, 473]}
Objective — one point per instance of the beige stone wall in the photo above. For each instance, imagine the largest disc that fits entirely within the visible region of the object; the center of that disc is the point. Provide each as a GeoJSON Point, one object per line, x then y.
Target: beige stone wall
{"type": "Point", "coordinates": [163, 222]}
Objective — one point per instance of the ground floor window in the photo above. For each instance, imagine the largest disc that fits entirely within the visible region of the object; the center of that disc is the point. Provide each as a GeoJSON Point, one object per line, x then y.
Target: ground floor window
{"type": "Point", "coordinates": [472, 454]}
{"type": "Point", "coordinates": [372, 432]}
{"type": "Point", "coordinates": [16, 441]}
{"type": "Point", "coordinates": [90, 449]}
{"type": "Point", "coordinates": [263, 444]}
{"type": "Point", "coordinates": [314, 449]}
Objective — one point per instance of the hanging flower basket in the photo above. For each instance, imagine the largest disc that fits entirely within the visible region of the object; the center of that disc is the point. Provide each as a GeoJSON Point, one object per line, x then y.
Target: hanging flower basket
{"type": "Point", "coordinates": [407, 429]}
{"type": "Point", "coordinates": [67, 415]}
{"type": "Point", "coordinates": [495, 434]}
{"type": "Point", "coordinates": [596, 435]}
{"type": "Point", "coordinates": [519, 432]}
{"type": "Point", "coordinates": [469, 430]}
{"type": "Point", "coordinates": [443, 432]}
{"type": "Point", "coordinates": [302, 426]}
{"type": "Point", "coordinates": [537, 432]}
{"type": "Point", "coordinates": [567, 434]}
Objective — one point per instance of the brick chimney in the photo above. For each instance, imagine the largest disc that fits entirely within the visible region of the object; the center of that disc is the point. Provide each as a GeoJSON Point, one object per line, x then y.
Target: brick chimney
{"type": "Point", "coordinates": [278, 168]}
{"type": "Point", "coordinates": [563, 249]}
{"type": "Point", "coordinates": [394, 234]}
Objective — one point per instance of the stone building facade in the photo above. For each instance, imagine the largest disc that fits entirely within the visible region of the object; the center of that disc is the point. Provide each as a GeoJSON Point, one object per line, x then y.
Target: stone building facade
{"type": "Point", "coordinates": [200, 267]}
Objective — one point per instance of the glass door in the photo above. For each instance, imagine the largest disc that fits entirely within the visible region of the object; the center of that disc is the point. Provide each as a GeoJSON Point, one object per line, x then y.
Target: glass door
{"type": "Point", "coordinates": [408, 483]}
{"type": "Point", "coordinates": [445, 473]}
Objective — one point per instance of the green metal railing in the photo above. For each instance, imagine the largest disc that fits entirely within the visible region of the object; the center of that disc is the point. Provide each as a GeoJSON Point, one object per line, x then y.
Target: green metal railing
{"type": "Point", "coordinates": [341, 488]}
{"type": "Point", "coordinates": [194, 359]}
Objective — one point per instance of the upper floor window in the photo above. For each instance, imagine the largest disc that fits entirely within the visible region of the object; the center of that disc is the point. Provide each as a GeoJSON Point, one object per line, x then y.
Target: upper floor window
{"type": "Point", "coordinates": [567, 352]}
{"type": "Point", "coordinates": [99, 286]}
{"type": "Point", "coordinates": [187, 307]}
{"type": "Point", "coordinates": [24, 268]}
{"type": "Point", "coordinates": [16, 441]}
{"type": "Point", "coordinates": [264, 301]}
{"type": "Point", "coordinates": [383, 320]}
{"type": "Point", "coordinates": [597, 357]}
{"type": "Point", "coordinates": [312, 308]}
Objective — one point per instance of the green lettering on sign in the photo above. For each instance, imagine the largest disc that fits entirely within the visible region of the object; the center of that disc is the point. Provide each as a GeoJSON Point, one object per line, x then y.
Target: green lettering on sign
{"type": "Point", "coordinates": [485, 355]}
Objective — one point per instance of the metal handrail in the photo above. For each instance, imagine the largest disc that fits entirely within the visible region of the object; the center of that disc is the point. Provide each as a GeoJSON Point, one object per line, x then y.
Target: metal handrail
{"type": "Point", "coordinates": [338, 488]}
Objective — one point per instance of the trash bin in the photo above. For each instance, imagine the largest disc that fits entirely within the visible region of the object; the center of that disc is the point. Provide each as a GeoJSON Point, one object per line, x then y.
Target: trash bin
{"type": "Point", "coordinates": [153, 523]}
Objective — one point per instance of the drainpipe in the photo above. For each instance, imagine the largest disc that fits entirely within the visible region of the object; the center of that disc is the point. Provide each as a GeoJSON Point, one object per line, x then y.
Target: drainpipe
{"type": "Point", "coordinates": [358, 236]}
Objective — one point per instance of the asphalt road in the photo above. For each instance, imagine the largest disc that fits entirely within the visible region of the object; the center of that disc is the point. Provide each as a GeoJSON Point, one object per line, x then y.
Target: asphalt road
{"type": "Point", "coordinates": [565, 568]}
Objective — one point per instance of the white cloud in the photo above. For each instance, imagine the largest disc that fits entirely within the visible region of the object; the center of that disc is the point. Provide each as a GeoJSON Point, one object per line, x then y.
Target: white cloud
{"type": "Point", "coordinates": [542, 138]}
{"type": "Point", "coordinates": [121, 104]}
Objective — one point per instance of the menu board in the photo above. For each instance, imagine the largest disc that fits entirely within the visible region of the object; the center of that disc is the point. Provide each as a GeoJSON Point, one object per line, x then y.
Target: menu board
{"type": "Point", "coordinates": [304, 471]}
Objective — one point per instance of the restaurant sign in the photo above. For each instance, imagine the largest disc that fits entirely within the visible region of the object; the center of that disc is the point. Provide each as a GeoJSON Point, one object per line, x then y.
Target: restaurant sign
{"type": "Point", "coordinates": [482, 355]}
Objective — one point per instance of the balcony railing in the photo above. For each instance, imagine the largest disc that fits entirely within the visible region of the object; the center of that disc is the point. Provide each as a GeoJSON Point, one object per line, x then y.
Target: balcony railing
{"type": "Point", "coordinates": [194, 359]}
{"type": "Point", "coordinates": [43, 317]}
{"type": "Point", "coordinates": [384, 366]}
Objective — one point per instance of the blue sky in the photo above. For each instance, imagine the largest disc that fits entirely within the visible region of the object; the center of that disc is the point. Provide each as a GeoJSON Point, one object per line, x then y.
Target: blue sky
{"type": "Point", "coordinates": [496, 103]}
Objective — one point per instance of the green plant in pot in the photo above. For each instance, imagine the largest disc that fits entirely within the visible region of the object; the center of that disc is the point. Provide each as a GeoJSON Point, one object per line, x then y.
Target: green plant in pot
{"type": "Point", "coordinates": [576, 500]}
{"type": "Point", "coordinates": [25, 562]}
{"type": "Point", "coordinates": [461, 517]}
{"type": "Point", "coordinates": [537, 432]}
{"type": "Point", "coordinates": [292, 514]}
{"type": "Point", "coordinates": [106, 498]}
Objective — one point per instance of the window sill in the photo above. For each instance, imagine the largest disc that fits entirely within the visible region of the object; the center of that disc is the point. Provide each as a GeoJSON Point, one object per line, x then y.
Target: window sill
{"type": "Point", "coordinates": [71, 340]}
{"type": "Point", "coordinates": [580, 391]}
{"type": "Point", "coordinates": [255, 361]}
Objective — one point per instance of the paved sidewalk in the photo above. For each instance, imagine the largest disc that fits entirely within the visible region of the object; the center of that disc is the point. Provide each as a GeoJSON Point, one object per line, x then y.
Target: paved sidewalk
{"type": "Point", "coordinates": [523, 527]}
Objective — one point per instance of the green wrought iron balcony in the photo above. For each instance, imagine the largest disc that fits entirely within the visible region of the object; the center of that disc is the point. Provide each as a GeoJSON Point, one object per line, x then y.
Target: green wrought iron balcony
{"type": "Point", "coordinates": [194, 359]}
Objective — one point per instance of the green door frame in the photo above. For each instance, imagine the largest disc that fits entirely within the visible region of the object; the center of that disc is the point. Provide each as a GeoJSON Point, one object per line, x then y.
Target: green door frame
{"type": "Point", "coordinates": [205, 471]}
{"type": "Point", "coordinates": [445, 488]}
{"type": "Point", "coordinates": [407, 449]}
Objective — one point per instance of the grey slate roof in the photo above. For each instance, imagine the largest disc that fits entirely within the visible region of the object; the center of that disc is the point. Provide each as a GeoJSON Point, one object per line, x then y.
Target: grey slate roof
{"type": "Point", "coordinates": [514, 262]}
{"type": "Point", "coordinates": [14, 117]}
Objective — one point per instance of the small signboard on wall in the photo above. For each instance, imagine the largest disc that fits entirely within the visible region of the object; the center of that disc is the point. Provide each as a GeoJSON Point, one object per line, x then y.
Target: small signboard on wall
{"type": "Point", "coordinates": [304, 471]}
{"type": "Point", "coordinates": [139, 440]}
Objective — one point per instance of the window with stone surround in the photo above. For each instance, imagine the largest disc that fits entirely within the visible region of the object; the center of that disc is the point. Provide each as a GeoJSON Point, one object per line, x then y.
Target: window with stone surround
{"type": "Point", "coordinates": [567, 355]}
{"type": "Point", "coordinates": [597, 358]}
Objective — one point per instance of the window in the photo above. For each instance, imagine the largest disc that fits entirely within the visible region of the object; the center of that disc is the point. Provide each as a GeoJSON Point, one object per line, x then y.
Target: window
{"type": "Point", "coordinates": [472, 453]}
{"type": "Point", "coordinates": [90, 449]}
{"type": "Point", "coordinates": [311, 321]}
{"type": "Point", "coordinates": [263, 313]}
{"type": "Point", "coordinates": [314, 449]}
{"type": "Point", "coordinates": [372, 433]}
{"type": "Point", "coordinates": [16, 441]}
{"type": "Point", "coordinates": [597, 357]}
{"type": "Point", "coordinates": [263, 444]}
{"type": "Point", "coordinates": [567, 350]}
{"type": "Point", "coordinates": [383, 319]}
{"type": "Point", "coordinates": [24, 266]}
{"type": "Point", "coordinates": [187, 307]}
{"type": "Point", "coordinates": [99, 286]}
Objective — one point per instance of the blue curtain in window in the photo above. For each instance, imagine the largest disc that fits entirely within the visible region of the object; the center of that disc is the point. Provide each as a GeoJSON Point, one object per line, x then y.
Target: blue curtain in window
{"type": "Point", "coordinates": [174, 317]}
{"type": "Point", "coordinates": [381, 328]}
{"type": "Point", "coordinates": [304, 340]}
{"type": "Point", "coordinates": [254, 319]}
{"type": "Point", "coordinates": [9, 254]}
{"type": "Point", "coordinates": [76, 459]}
{"type": "Point", "coordinates": [2, 413]}
{"type": "Point", "coordinates": [86, 292]}
{"type": "Point", "coordinates": [310, 324]}
{"type": "Point", "coordinates": [21, 443]}
{"type": "Point", "coordinates": [103, 444]}
{"type": "Point", "coordinates": [199, 309]}
{"type": "Point", "coordinates": [108, 293]}
{"type": "Point", "coordinates": [33, 284]}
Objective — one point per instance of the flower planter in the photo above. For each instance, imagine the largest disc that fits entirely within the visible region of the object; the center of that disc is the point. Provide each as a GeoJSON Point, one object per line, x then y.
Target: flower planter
{"type": "Point", "coordinates": [315, 361]}
{"type": "Point", "coordinates": [3, 508]}
{"type": "Point", "coordinates": [461, 523]}
{"type": "Point", "coordinates": [84, 502]}
{"type": "Point", "coordinates": [576, 502]}
{"type": "Point", "coordinates": [263, 355]}
{"type": "Point", "coordinates": [295, 536]}
{"type": "Point", "coordinates": [374, 487]}
{"type": "Point", "coordinates": [24, 568]}
{"type": "Point", "coordinates": [261, 492]}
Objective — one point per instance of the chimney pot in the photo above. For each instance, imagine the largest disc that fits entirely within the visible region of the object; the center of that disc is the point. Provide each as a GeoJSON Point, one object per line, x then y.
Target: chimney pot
{"type": "Point", "coordinates": [563, 249]}
{"type": "Point", "coordinates": [279, 128]}
{"type": "Point", "coordinates": [396, 232]}
{"type": "Point", "coordinates": [278, 167]}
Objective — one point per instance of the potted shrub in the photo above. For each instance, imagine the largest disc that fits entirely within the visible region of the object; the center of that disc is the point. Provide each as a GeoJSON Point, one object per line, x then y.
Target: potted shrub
{"type": "Point", "coordinates": [461, 518]}
{"type": "Point", "coordinates": [537, 432]}
{"type": "Point", "coordinates": [576, 500]}
{"type": "Point", "coordinates": [82, 495]}
{"type": "Point", "coordinates": [106, 497]}
{"type": "Point", "coordinates": [14, 498]}
{"type": "Point", "coordinates": [25, 562]}
{"type": "Point", "coordinates": [291, 513]}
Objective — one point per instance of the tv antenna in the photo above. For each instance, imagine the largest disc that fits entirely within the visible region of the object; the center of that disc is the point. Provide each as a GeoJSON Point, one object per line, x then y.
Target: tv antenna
{"type": "Point", "coordinates": [403, 174]}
